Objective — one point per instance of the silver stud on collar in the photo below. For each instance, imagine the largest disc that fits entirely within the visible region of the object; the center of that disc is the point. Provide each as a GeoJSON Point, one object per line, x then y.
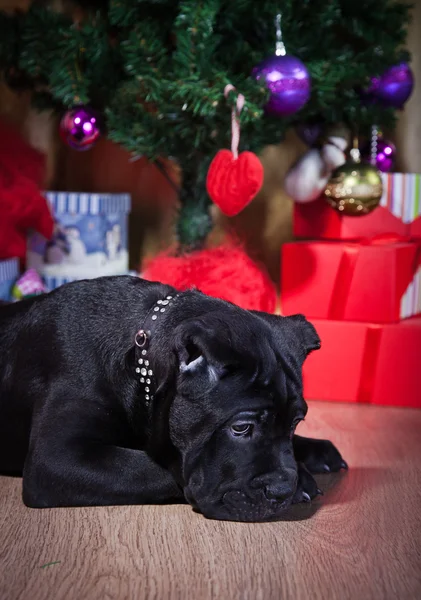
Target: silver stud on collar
{"type": "Point", "coordinates": [142, 341]}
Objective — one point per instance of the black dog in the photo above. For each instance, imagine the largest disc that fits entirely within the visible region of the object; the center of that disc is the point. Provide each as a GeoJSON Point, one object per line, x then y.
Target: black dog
{"type": "Point", "coordinates": [122, 391]}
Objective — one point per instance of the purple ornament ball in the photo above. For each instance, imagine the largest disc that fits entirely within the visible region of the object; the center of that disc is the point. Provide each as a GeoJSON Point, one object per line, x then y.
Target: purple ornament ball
{"type": "Point", "coordinates": [288, 81]}
{"type": "Point", "coordinates": [80, 128]}
{"type": "Point", "coordinates": [385, 155]}
{"type": "Point", "coordinates": [394, 87]}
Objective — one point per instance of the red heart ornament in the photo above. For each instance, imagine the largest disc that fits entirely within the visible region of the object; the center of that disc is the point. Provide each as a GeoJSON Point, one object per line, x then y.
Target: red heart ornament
{"type": "Point", "coordinates": [233, 183]}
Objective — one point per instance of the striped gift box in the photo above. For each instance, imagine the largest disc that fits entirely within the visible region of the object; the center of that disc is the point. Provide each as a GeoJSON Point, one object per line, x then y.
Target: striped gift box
{"type": "Point", "coordinates": [51, 283]}
{"type": "Point", "coordinates": [411, 300]}
{"type": "Point", "coordinates": [88, 204]}
{"type": "Point", "coordinates": [402, 195]}
{"type": "Point", "coordinates": [90, 238]}
{"type": "Point", "coordinates": [9, 272]}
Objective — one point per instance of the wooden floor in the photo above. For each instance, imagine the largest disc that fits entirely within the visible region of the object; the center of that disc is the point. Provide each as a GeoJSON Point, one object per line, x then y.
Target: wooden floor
{"type": "Point", "coordinates": [361, 540]}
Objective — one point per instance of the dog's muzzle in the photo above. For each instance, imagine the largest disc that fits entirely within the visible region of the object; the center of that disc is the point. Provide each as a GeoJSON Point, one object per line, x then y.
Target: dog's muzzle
{"type": "Point", "coordinates": [264, 503]}
{"type": "Point", "coordinates": [236, 505]}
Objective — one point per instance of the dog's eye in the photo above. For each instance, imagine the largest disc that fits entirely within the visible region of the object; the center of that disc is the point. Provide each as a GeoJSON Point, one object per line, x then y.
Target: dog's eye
{"type": "Point", "coordinates": [241, 429]}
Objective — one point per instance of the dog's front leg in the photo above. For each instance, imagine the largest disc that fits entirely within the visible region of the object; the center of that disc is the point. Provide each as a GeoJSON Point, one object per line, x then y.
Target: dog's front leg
{"type": "Point", "coordinates": [76, 456]}
{"type": "Point", "coordinates": [84, 473]}
{"type": "Point", "coordinates": [318, 456]}
{"type": "Point", "coordinates": [307, 488]}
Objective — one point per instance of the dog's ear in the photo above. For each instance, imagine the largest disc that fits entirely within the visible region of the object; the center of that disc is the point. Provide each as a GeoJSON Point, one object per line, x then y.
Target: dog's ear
{"type": "Point", "coordinates": [197, 351]}
{"type": "Point", "coordinates": [193, 359]}
{"type": "Point", "coordinates": [305, 331]}
{"type": "Point", "coordinates": [294, 333]}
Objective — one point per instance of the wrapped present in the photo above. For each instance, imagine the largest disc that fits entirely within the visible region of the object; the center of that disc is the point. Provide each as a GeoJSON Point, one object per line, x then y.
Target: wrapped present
{"type": "Point", "coordinates": [9, 272]}
{"type": "Point", "coordinates": [402, 197]}
{"type": "Point", "coordinates": [28, 285]}
{"type": "Point", "coordinates": [366, 363]}
{"type": "Point", "coordinates": [90, 238]}
{"type": "Point", "coordinates": [377, 281]}
{"type": "Point", "coordinates": [399, 213]}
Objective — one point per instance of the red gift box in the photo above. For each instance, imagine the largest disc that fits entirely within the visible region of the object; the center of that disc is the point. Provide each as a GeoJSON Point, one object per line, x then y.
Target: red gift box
{"type": "Point", "coordinates": [318, 220]}
{"type": "Point", "coordinates": [415, 228]}
{"type": "Point", "coordinates": [376, 281]}
{"type": "Point", "coordinates": [399, 213]}
{"type": "Point", "coordinates": [366, 363]}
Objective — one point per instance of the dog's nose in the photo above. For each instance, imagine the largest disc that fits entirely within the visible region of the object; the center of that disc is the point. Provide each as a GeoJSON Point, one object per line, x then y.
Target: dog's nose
{"type": "Point", "coordinates": [276, 486]}
{"type": "Point", "coordinates": [278, 490]}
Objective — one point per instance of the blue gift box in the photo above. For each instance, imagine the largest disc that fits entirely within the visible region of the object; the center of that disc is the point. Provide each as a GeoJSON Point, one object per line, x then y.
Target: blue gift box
{"type": "Point", "coordinates": [9, 273]}
{"type": "Point", "coordinates": [90, 238]}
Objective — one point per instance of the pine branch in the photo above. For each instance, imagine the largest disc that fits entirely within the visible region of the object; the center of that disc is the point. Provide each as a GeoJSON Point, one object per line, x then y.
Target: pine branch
{"type": "Point", "coordinates": [157, 69]}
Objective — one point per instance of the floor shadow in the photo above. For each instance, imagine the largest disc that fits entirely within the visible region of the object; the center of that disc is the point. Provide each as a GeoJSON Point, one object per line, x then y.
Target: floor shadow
{"type": "Point", "coordinates": [346, 486]}
{"type": "Point", "coordinates": [341, 488]}
{"type": "Point", "coordinates": [303, 511]}
{"type": "Point", "coordinates": [14, 474]}
{"type": "Point", "coordinates": [338, 488]}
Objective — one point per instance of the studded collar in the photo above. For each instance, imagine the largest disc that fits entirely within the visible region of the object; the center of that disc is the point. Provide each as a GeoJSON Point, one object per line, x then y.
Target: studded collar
{"type": "Point", "coordinates": [143, 368]}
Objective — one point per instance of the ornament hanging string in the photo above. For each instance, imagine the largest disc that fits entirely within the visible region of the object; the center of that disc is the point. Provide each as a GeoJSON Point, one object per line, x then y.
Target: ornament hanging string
{"type": "Point", "coordinates": [78, 61]}
{"type": "Point", "coordinates": [234, 179]}
{"type": "Point", "coordinates": [355, 150]}
{"type": "Point", "coordinates": [380, 152]}
{"type": "Point", "coordinates": [235, 121]}
{"type": "Point", "coordinates": [373, 146]}
{"type": "Point", "coordinates": [280, 46]}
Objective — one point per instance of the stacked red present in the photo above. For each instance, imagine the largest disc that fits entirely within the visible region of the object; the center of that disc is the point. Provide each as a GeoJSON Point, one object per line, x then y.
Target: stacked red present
{"type": "Point", "coordinates": [359, 283]}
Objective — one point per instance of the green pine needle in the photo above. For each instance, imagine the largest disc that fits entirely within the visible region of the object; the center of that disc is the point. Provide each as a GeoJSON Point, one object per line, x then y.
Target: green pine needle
{"type": "Point", "coordinates": [157, 70]}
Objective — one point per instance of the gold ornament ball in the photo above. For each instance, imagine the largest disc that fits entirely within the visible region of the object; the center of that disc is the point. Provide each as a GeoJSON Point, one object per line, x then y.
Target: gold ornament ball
{"type": "Point", "coordinates": [354, 189]}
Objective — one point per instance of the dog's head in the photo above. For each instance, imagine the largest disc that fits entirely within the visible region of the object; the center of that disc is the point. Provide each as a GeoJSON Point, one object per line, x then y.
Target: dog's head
{"type": "Point", "coordinates": [228, 402]}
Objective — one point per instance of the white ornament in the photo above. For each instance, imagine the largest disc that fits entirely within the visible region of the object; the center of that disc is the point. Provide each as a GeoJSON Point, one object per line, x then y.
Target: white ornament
{"type": "Point", "coordinates": [307, 179]}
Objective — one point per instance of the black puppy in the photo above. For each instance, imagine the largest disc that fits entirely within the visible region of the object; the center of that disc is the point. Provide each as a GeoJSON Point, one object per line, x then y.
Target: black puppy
{"type": "Point", "coordinates": [122, 391]}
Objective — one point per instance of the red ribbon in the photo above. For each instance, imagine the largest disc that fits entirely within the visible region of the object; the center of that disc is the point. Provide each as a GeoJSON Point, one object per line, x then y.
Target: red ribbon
{"type": "Point", "coordinates": [382, 239]}
{"type": "Point", "coordinates": [369, 363]}
{"type": "Point", "coordinates": [343, 281]}
{"type": "Point", "coordinates": [348, 262]}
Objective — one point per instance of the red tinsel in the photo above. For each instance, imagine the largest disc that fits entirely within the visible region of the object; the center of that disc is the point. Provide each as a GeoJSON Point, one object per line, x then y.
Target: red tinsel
{"type": "Point", "coordinates": [225, 272]}
{"type": "Point", "coordinates": [22, 206]}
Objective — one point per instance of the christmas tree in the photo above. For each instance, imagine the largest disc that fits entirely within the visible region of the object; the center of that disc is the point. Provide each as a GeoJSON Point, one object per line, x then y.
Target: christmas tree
{"type": "Point", "coordinates": [156, 70]}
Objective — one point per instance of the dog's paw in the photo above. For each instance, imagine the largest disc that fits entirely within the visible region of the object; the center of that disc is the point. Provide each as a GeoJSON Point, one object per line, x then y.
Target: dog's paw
{"type": "Point", "coordinates": [307, 488]}
{"type": "Point", "coordinates": [319, 456]}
